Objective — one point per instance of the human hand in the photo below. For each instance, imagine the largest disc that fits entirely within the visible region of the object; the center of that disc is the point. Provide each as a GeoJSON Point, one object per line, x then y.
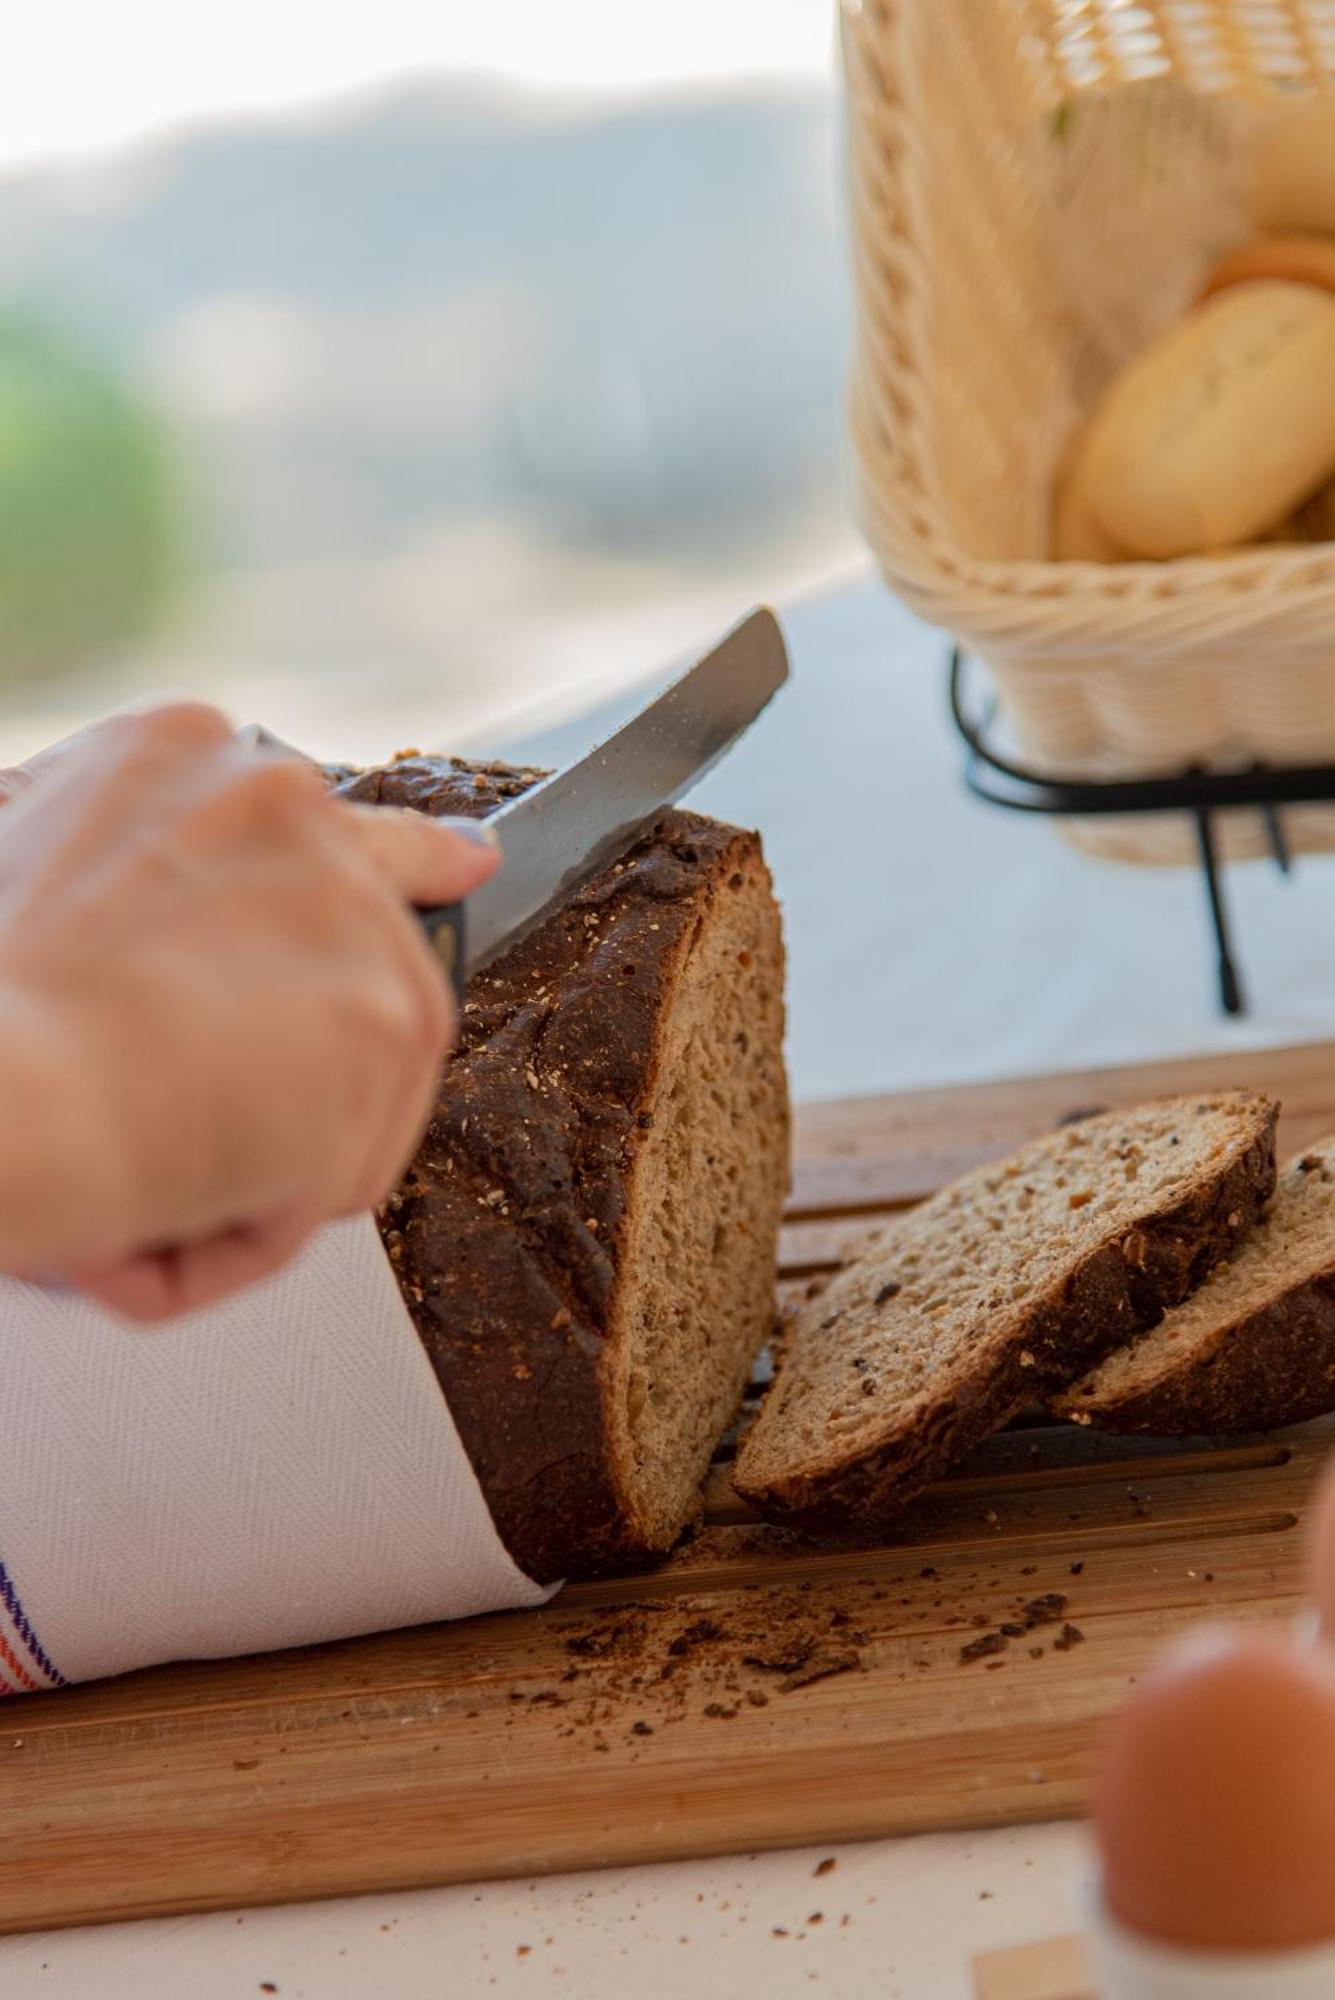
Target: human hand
{"type": "Point", "coordinates": [225, 1026]}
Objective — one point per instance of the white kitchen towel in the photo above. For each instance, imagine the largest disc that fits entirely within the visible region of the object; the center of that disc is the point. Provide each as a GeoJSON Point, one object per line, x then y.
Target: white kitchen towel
{"type": "Point", "coordinates": [273, 1471]}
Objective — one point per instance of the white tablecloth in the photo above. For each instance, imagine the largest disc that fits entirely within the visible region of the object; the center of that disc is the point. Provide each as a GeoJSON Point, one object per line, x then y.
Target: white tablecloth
{"type": "Point", "coordinates": [932, 939]}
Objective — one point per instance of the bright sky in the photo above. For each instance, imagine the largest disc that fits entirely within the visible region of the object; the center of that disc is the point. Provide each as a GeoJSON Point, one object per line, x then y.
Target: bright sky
{"type": "Point", "coordinates": [79, 76]}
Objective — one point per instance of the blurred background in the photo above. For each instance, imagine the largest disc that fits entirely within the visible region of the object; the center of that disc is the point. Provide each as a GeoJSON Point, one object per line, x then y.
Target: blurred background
{"type": "Point", "coordinates": [408, 372]}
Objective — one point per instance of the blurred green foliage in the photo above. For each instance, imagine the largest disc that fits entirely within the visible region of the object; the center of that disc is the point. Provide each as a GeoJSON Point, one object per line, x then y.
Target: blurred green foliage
{"type": "Point", "coordinates": [88, 544]}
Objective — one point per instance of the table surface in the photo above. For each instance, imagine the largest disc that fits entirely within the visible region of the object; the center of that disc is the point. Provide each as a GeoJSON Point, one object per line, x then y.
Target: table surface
{"type": "Point", "coordinates": [932, 940]}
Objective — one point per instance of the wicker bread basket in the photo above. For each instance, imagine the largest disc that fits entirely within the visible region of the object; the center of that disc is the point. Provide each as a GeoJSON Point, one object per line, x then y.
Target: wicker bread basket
{"type": "Point", "coordinates": [1037, 186]}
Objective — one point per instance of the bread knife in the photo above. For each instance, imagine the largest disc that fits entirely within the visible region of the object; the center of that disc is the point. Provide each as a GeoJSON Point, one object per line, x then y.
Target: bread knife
{"type": "Point", "coordinates": [561, 831]}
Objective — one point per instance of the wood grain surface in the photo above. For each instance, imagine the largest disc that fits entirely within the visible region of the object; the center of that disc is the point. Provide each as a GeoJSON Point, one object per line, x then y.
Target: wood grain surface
{"type": "Point", "coordinates": [755, 1691]}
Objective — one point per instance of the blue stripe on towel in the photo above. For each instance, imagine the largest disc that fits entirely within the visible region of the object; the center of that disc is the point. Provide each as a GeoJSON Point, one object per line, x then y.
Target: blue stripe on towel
{"type": "Point", "coordinates": [10, 1598]}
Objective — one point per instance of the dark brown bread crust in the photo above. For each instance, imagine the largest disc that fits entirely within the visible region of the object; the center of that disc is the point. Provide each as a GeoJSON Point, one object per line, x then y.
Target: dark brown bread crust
{"type": "Point", "coordinates": [1121, 1290]}
{"type": "Point", "coordinates": [508, 1229]}
{"type": "Point", "coordinates": [1269, 1368]}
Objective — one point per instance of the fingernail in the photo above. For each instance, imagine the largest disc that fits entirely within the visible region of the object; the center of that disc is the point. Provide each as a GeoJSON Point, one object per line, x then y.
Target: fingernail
{"type": "Point", "coordinates": [254, 736]}
{"type": "Point", "coordinates": [475, 830]}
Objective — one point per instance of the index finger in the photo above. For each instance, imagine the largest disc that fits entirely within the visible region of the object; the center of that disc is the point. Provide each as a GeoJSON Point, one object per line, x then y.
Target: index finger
{"type": "Point", "coordinates": [425, 860]}
{"type": "Point", "coordinates": [162, 1284]}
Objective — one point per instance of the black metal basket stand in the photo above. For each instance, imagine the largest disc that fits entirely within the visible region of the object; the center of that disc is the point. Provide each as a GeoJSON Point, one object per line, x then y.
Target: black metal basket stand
{"type": "Point", "coordinates": [1199, 793]}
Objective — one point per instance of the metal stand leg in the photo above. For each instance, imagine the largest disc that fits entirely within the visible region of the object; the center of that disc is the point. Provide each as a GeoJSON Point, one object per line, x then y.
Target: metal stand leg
{"type": "Point", "coordinates": [1264, 788]}
{"type": "Point", "coordinates": [1230, 990]}
{"type": "Point", "coordinates": [1279, 840]}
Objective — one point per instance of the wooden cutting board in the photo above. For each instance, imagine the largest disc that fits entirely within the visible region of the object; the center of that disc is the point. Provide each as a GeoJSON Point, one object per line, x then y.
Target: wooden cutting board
{"type": "Point", "coordinates": [754, 1692]}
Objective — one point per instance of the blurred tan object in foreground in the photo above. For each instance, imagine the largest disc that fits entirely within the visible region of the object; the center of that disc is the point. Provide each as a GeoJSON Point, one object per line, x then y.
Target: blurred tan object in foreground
{"type": "Point", "coordinates": [1049, 1969]}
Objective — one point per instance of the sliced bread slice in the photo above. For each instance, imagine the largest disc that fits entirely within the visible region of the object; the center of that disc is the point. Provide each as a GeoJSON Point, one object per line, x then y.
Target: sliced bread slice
{"type": "Point", "coordinates": [999, 1290]}
{"type": "Point", "coordinates": [1254, 1348]}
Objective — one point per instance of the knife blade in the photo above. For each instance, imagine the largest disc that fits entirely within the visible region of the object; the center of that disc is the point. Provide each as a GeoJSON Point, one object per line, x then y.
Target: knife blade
{"type": "Point", "coordinates": [566, 828]}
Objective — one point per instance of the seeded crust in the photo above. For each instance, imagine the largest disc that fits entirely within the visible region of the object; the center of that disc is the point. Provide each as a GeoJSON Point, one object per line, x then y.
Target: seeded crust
{"type": "Point", "coordinates": [1254, 1348]}
{"type": "Point", "coordinates": [586, 1239]}
{"type": "Point", "coordinates": [1001, 1289]}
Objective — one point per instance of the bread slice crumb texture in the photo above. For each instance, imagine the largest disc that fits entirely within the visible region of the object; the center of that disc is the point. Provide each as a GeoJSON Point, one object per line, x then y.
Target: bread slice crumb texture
{"type": "Point", "coordinates": [1254, 1348]}
{"type": "Point", "coordinates": [696, 1290]}
{"type": "Point", "coordinates": [1002, 1288]}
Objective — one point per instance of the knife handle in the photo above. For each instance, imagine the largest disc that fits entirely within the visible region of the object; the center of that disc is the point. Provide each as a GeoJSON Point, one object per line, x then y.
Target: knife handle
{"type": "Point", "coordinates": [443, 924]}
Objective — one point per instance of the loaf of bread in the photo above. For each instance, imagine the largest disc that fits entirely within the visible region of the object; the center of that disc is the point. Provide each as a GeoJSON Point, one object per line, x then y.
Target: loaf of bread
{"type": "Point", "coordinates": [1299, 260]}
{"type": "Point", "coordinates": [1315, 519]}
{"type": "Point", "coordinates": [1078, 535]}
{"type": "Point", "coordinates": [1220, 427]}
{"type": "Point", "coordinates": [1294, 181]}
{"type": "Point", "coordinates": [998, 1291]}
{"type": "Point", "coordinates": [586, 1239]}
{"type": "Point", "coordinates": [1254, 1348]}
